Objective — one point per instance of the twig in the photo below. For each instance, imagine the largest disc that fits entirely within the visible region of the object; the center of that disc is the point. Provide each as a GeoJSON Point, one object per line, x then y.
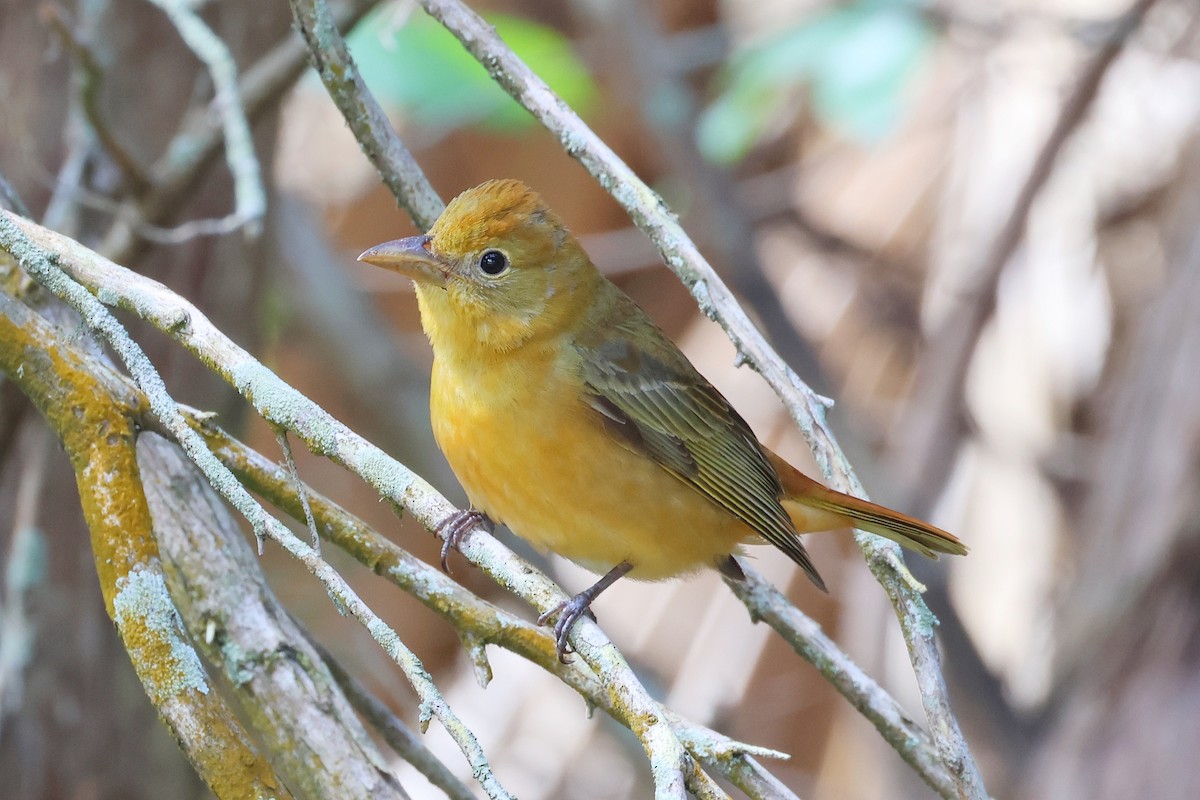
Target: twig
{"type": "Point", "coordinates": [766, 603]}
{"type": "Point", "coordinates": [372, 129]}
{"type": "Point", "coordinates": [38, 262]}
{"type": "Point", "coordinates": [179, 234]}
{"type": "Point", "coordinates": [398, 735]}
{"type": "Point", "coordinates": [733, 760]}
{"type": "Point", "coordinates": [289, 459]}
{"type": "Point", "coordinates": [90, 80]}
{"type": "Point", "coordinates": [10, 199]}
{"type": "Point", "coordinates": [806, 408]}
{"type": "Point", "coordinates": [250, 200]}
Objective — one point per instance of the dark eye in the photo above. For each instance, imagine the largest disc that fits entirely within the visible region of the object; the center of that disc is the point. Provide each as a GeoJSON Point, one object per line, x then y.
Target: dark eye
{"type": "Point", "coordinates": [493, 262]}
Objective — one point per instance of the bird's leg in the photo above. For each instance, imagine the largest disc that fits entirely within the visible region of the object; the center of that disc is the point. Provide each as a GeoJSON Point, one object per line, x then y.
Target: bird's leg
{"type": "Point", "coordinates": [454, 528]}
{"type": "Point", "coordinates": [577, 606]}
{"type": "Point", "coordinates": [730, 568]}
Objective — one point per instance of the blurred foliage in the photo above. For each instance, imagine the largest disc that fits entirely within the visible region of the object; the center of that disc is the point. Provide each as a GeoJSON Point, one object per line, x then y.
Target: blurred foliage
{"type": "Point", "coordinates": [855, 62]}
{"type": "Point", "coordinates": [418, 68]}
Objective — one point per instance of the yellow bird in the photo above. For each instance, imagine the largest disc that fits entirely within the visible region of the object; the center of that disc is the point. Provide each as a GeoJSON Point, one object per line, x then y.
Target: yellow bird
{"type": "Point", "coordinates": [570, 417]}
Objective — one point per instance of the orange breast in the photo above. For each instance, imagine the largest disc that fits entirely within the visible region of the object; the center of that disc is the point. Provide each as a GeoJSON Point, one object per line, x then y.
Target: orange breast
{"type": "Point", "coordinates": [532, 455]}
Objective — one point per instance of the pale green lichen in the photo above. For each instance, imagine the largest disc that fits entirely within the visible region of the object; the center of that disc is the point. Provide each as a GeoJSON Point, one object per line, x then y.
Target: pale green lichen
{"type": "Point", "coordinates": [153, 634]}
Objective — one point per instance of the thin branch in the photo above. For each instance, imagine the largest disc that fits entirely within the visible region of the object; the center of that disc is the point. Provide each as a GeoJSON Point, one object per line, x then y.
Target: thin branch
{"type": "Point", "coordinates": [366, 118]}
{"type": "Point", "coordinates": [398, 736]}
{"type": "Point", "coordinates": [289, 459]}
{"type": "Point", "coordinates": [90, 80]}
{"type": "Point", "coordinates": [250, 199]}
{"type": "Point", "coordinates": [9, 198]}
{"type": "Point", "coordinates": [43, 267]}
{"type": "Point", "coordinates": [914, 745]}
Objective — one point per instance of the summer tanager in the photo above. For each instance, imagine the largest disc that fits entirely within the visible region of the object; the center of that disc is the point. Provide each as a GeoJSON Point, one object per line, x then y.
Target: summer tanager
{"type": "Point", "coordinates": [570, 417]}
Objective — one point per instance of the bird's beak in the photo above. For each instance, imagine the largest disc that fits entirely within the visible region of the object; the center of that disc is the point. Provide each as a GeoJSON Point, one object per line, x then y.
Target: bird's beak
{"type": "Point", "coordinates": [411, 257]}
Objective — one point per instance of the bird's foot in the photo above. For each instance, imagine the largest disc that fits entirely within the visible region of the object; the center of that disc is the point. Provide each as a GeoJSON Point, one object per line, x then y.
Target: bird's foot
{"type": "Point", "coordinates": [454, 528]}
{"type": "Point", "coordinates": [577, 607]}
{"type": "Point", "coordinates": [572, 611]}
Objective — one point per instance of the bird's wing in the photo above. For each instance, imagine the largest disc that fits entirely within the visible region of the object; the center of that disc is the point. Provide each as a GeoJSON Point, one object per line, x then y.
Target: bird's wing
{"type": "Point", "coordinates": [654, 401]}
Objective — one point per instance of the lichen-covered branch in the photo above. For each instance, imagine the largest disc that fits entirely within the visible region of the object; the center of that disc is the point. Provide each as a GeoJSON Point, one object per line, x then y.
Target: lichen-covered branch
{"type": "Point", "coordinates": [475, 619]}
{"type": "Point", "coordinates": [96, 425]}
{"type": "Point", "coordinates": [280, 682]}
{"type": "Point", "coordinates": [36, 259]}
{"type": "Point", "coordinates": [282, 405]}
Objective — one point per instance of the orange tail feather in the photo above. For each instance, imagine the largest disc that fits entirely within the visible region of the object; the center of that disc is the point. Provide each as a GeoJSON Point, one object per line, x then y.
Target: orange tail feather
{"type": "Point", "coordinates": [814, 507]}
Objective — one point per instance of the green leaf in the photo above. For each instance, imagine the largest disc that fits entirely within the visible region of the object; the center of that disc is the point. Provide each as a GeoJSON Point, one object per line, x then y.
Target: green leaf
{"type": "Point", "coordinates": [856, 61]}
{"type": "Point", "coordinates": [421, 70]}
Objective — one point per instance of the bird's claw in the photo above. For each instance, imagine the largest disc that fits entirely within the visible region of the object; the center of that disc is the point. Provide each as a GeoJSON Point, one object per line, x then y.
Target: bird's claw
{"type": "Point", "coordinates": [454, 528]}
{"type": "Point", "coordinates": [572, 610]}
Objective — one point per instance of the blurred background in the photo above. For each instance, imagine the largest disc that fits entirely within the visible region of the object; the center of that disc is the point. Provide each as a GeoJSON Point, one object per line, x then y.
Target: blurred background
{"type": "Point", "coordinates": [975, 226]}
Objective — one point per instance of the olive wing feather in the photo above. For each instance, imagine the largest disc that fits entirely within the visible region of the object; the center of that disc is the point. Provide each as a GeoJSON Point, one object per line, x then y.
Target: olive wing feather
{"type": "Point", "coordinates": [654, 401]}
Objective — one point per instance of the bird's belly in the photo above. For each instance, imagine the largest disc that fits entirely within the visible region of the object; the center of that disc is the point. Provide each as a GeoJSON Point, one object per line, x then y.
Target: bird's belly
{"type": "Point", "coordinates": [543, 465]}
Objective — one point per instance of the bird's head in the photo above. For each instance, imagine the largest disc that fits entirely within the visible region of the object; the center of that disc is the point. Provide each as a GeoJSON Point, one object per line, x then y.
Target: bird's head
{"type": "Point", "coordinates": [496, 270]}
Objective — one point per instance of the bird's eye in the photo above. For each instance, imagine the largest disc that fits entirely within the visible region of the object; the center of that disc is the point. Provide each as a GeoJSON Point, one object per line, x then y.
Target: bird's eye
{"type": "Point", "coordinates": [493, 262]}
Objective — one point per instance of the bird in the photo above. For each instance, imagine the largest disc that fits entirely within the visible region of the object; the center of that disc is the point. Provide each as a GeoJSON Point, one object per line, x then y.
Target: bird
{"type": "Point", "coordinates": [569, 416]}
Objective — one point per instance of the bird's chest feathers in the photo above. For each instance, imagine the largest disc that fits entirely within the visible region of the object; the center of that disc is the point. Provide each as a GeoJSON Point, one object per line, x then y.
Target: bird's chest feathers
{"type": "Point", "coordinates": [497, 419]}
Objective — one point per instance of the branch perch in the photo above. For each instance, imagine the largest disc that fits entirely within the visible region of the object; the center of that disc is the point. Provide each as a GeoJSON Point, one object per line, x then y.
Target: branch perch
{"type": "Point", "coordinates": [44, 268]}
{"type": "Point", "coordinates": [125, 551]}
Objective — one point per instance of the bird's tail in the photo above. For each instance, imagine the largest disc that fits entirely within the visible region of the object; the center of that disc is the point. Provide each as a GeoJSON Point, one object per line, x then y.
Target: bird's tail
{"type": "Point", "coordinates": [814, 507]}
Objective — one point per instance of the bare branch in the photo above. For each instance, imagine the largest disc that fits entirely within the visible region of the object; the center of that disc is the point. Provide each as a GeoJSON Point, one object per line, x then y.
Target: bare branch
{"type": "Point", "coordinates": [250, 200]}
{"type": "Point", "coordinates": [91, 78]}
{"type": "Point", "coordinates": [285, 445]}
{"type": "Point", "coordinates": [10, 199]}
{"type": "Point", "coordinates": [374, 132]}
{"type": "Point", "coordinates": [914, 745]}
